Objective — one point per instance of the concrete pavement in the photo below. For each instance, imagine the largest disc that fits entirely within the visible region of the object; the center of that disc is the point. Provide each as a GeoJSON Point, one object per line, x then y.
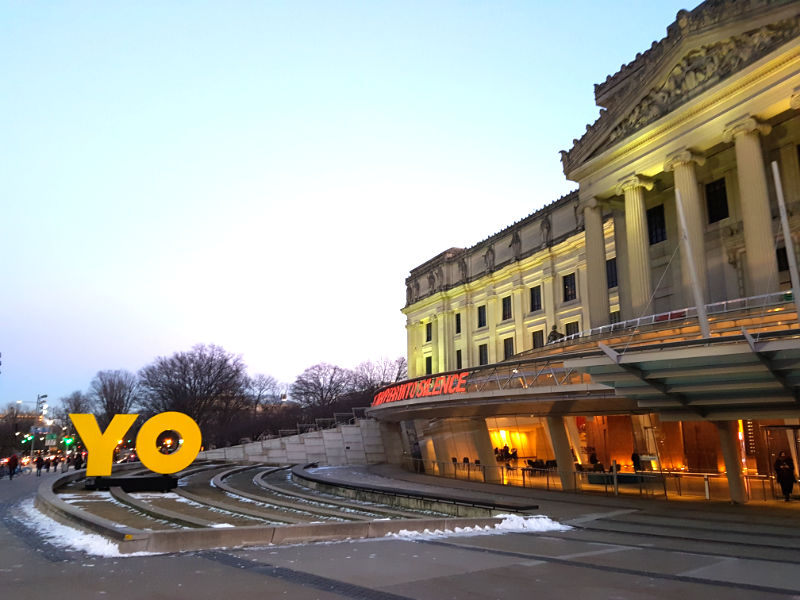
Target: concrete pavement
{"type": "Point", "coordinates": [622, 549]}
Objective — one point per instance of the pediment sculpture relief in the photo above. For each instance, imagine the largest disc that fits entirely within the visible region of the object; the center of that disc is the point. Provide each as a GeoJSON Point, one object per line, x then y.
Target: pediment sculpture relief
{"type": "Point", "coordinates": [702, 68]}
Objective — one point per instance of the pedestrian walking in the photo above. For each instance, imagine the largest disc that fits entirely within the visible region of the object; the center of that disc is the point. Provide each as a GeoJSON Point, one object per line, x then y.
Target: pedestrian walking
{"type": "Point", "coordinates": [39, 465]}
{"type": "Point", "coordinates": [13, 461]}
{"type": "Point", "coordinates": [65, 465]}
{"type": "Point", "coordinates": [78, 462]}
{"type": "Point", "coordinates": [784, 473]}
{"type": "Point", "coordinates": [47, 465]}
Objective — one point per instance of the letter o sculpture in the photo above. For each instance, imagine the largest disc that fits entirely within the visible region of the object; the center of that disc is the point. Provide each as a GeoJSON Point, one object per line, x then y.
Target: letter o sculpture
{"type": "Point", "coordinates": [183, 456]}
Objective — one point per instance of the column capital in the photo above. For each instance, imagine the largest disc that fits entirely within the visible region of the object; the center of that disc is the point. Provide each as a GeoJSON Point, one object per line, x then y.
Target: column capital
{"type": "Point", "coordinates": [590, 202]}
{"type": "Point", "coordinates": [683, 157]}
{"type": "Point", "coordinates": [743, 126]}
{"type": "Point", "coordinates": [633, 181]}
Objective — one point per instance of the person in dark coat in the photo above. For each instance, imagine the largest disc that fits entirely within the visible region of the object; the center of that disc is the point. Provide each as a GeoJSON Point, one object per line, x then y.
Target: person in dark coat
{"type": "Point", "coordinates": [784, 473]}
{"type": "Point", "coordinates": [39, 465]}
{"type": "Point", "coordinates": [78, 462]}
{"type": "Point", "coordinates": [637, 461]}
{"type": "Point", "coordinates": [12, 464]}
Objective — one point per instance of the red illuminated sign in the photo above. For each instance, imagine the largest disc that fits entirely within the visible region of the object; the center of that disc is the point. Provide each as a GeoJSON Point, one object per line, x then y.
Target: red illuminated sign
{"type": "Point", "coordinates": [432, 386]}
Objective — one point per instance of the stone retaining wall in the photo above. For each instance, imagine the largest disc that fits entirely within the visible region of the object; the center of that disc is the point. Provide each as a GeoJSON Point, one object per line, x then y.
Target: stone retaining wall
{"type": "Point", "coordinates": [357, 444]}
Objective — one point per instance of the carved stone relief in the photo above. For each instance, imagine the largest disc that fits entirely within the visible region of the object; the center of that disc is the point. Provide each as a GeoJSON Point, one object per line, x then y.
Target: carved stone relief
{"type": "Point", "coordinates": [702, 68]}
{"type": "Point", "coordinates": [462, 267]}
{"type": "Point", "coordinates": [516, 245]}
{"type": "Point", "coordinates": [488, 258]}
{"type": "Point", "coordinates": [697, 71]}
{"type": "Point", "coordinates": [547, 231]}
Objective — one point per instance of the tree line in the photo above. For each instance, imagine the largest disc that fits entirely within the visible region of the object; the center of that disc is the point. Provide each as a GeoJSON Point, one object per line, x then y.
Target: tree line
{"type": "Point", "coordinates": [213, 387]}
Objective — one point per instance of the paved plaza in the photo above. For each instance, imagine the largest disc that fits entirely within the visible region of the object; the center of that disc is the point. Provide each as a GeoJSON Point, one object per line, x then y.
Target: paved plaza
{"type": "Point", "coordinates": [617, 548]}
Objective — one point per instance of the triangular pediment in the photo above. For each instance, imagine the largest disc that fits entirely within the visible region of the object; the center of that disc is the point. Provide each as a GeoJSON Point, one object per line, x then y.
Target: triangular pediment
{"type": "Point", "coordinates": [702, 49]}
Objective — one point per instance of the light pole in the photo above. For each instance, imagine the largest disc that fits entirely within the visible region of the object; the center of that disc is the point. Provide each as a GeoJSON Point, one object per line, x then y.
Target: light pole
{"type": "Point", "coordinates": [39, 398]}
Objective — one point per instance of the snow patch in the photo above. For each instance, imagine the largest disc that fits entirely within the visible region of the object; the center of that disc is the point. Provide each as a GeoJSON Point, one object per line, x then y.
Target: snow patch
{"type": "Point", "coordinates": [509, 524]}
{"type": "Point", "coordinates": [63, 536]}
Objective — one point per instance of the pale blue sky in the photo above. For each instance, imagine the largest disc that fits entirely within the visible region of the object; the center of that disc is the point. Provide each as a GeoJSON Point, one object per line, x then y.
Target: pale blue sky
{"type": "Point", "coordinates": [263, 175]}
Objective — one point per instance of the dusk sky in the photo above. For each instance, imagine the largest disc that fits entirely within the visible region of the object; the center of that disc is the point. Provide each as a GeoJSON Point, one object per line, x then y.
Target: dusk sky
{"type": "Point", "coordinates": [264, 175]}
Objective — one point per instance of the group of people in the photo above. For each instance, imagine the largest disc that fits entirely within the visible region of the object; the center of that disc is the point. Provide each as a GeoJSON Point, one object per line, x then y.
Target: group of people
{"type": "Point", "coordinates": [505, 454]}
{"type": "Point", "coordinates": [12, 465]}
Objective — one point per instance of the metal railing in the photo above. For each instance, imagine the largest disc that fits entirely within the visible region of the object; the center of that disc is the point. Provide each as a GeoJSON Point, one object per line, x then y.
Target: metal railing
{"type": "Point", "coordinates": [665, 484]}
{"type": "Point", "coordinates": [765, 301]}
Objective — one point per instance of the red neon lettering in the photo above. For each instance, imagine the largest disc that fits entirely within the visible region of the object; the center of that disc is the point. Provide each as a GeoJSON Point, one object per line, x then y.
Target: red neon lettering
{"type": "Point", "coordinates": [462, 382]}
{"type": "Point", "coordinates": [430, 386]}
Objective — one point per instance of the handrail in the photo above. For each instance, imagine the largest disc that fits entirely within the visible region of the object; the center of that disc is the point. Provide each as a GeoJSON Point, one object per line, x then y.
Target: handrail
{"type": "Point", "coordinates": [715, 308]}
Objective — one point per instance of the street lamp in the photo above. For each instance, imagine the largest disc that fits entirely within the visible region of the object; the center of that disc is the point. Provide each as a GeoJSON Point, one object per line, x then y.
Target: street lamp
{"type": "Point", "coordinates": [39, 398]}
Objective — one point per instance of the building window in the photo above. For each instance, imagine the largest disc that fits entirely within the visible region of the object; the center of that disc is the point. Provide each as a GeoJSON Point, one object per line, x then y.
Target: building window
{"type": "Point", "coordinates": [458, 323]}
{"type": "Point", "coordinates": [570, 291]}
{"type": "Point", "coordinates": [506, 308]}
{"type": "Point", "coordinates": [458, 360]}
{"type": "Point", "coordinates": [571, 328]}
{"type": "Point", "coordinates": [538, 338]}
{"type": "Point", "coordinates": [428, 365]}
{"type": "Point", "coordinates": [483, 354]}
{"type": "Point", "coordinates": [428, 332]}
{"type": "Point", "coordinates": [508, 348]}
{"type": "Point", "coordinates": [611, 272]}
{"type": "Point", "coordinates": [656, 225]}
{"type": "Point", "coordinates": [536, 298]}
{"type": "Point", "coordinates": [481, 316]}
{"type": "Point", "coordinates": [783, 259]}
{"type": "Point", "coordinates": [614, 317]}
{"type": "Point", "coordinates": [716, 201]}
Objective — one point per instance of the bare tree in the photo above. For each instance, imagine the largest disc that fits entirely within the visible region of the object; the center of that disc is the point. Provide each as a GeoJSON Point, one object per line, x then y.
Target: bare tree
{"type": "Point", "coordinates": [321, 385]}
{"type": "Point", "coordinates": [264, 390]}
{"type": "Point", "coordinates": [372, 375]}
{"type": "Point", "coordinates": [76, 402]}
{"type": "Point", "coordinates": [207, 383]}
{"type": "Point", "coordinates": [113, 392]}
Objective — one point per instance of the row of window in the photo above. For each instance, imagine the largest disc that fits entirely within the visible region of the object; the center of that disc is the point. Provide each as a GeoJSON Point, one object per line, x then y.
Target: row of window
{"type": "Point", "coordinates": [570, 328]}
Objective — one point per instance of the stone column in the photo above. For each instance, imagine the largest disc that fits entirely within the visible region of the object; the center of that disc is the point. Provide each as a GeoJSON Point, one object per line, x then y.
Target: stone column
{"type": "Point", "coordinates": [621, 247]}
{"type": "Point", "coordinates": [729, 442]}
{"type": "Point", "coordinates": [638, 242]}
{"type": "Point", "coordinates": [558, 437]}
{"type": "Point", "coordinates": [414, 354]}
{"type": "Point", "coordinates": [759, 241]}
{"type": "Point", "coordinates": [520, 343]}
{"type": "Point", "coordinates": [682, 163]}
{"type": "Point", "coordinates": [491, 321]}
{"type": "Point", "coordinates": [596, 264]}
{"type": "Point", "coordinates": [436, 357]}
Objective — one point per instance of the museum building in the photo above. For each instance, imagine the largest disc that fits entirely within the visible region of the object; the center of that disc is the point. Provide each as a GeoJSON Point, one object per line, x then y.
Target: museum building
{"type": "Point", "coordinates": [645, 320]}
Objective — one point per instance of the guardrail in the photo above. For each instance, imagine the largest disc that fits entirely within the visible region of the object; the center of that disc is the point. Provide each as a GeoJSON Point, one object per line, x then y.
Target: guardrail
{"type": "Point", "coordinates": [765, 301]}
{"type": "Point", "coordinates": [666, 484]}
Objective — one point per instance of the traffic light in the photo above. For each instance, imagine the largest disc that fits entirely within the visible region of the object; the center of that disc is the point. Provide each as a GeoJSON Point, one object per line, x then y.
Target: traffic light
{"type": "Point", "coordinates": [68, 441]}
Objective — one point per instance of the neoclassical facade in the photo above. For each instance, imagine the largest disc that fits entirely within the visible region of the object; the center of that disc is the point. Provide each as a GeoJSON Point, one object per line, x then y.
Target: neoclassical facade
{"type": "Point", "coordinates": [481, 305]}
{"type": "Point", "coordinates": [703, 112]}
{"type": "Point", "coordinates": [675, 207]}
